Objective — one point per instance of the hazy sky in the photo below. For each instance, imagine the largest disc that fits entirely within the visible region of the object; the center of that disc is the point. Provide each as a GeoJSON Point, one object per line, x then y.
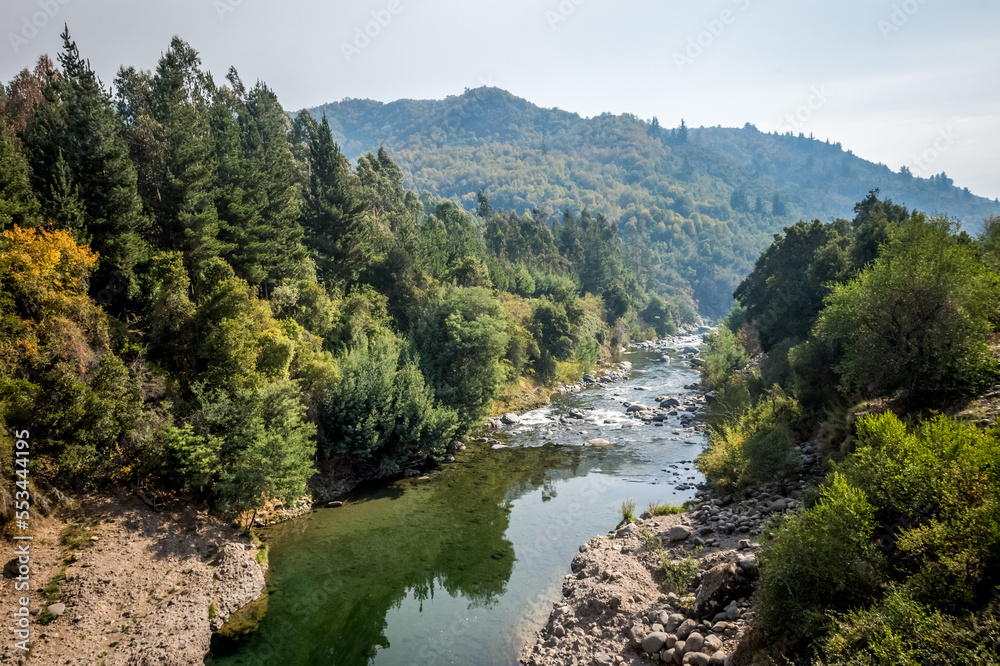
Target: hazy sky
{"type": "Point", "coordinates": [913, 82]}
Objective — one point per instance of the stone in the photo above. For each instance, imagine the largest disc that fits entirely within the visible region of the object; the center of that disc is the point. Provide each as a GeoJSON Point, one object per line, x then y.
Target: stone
{"type": "Point", "coordinates": [712, 644]}
{"type": "Point", "coordinates": [497, 447]}
{"type": "Point", "coordinates": [635, 407]}
{"type": "Point", "coordinates": [510, 419]}
{"type": "Point", "coordinates": [635, 635]}
{"type": "Point", "coordinates": [667, 655]}
{"type": "Point", "coordinates": [599, 442]}
{"type": "Point", "coordinates": [673, 622]}
{"type": "Point", "coordinates": [696, 659]}
{"type": "Point", "coordinates": [654, 642]}
{"type": "Point", "coordinates": [683, 631]}
{"type": "Point", "coordinates": [670, 403]}
{"type": "Point", "coordinates": [717, 659]}
{"type": "Point", "coordinates": [694, 642]}
{"type": "Point", "coordinates": [678, 652]}
{"type": "Point", "coordinates": [679, 533]}
{"type": "Point", "coordinates": [10, 570]}
{"type": "Point", "coordinates": [733, 612]}
{"type": "Point", "coordinates": [720, 585]}
{"type": "Point", "coordinates": [57, 609]}
{"type": "Point", "coordinates": [602, 659]}
{"type": "Point", "coordinates": [778, 505]}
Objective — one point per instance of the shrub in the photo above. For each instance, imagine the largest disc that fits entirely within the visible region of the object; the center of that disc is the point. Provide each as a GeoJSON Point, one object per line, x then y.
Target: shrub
{"type": "Point", "coordinates": [916, 322]}
{"type": "Point", "coordinates": [900, 630]}
{"type": "Point", "coordinates": [722, 356]}
{"type": "Point", "coordinates": [823, 558]}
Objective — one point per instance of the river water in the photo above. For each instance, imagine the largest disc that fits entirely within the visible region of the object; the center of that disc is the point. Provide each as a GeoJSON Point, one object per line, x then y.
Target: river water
{"type": "Point", "coordinates": [463, 568]}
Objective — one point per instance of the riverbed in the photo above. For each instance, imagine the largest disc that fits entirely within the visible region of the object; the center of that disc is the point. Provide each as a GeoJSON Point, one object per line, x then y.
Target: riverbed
{"type": "Point", "coordinates": [463, 567]}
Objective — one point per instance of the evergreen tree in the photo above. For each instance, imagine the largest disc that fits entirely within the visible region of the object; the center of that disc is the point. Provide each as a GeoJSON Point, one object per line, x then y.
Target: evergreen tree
{"type": "Point", "coordinates": [337, 232]}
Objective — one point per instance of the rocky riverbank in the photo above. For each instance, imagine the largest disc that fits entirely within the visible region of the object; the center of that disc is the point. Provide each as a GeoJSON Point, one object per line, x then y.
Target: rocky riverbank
{"type": "Point", "coordinates": [123, 585]}
{"type": "Point", "coordinates": [616, 607]}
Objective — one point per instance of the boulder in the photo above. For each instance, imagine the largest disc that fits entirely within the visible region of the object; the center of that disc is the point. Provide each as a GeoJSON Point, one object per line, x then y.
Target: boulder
{"type": "Point", "coordinates": [679, 533]}
{"type": "Point", "coordinates": [696, 659]}
{"type": "Point", "coordinates": [602, 659]}
{"type": "Point", "coordinates": [635, 634]}
{"type": "Point", "coordinates": [599, 442]}
{"type": "Point", "coordinates": [694, 642]}
{"type": "Point", "coordinates": [510, 419]}
{"type": "Point", "coordinates": [10, 570]}
{"type": "Point", "coordinates": [673, 622]}
{"type": "Point", "coordinates": [720, 585]}
{"type": "Point", "coordinates": [636, 407]}
{"type": "Point", "coordinates": [670, 403]}
{"type": "Point", "coordinates": [685, 630]}
{"type": "Point", "coordinates": [654, 642]}
{"type": "Point", "coordinates": [717, 659]}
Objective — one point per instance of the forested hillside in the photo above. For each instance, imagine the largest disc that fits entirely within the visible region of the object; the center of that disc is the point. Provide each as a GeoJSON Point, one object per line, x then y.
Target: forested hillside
{"type": "Point", "coordinates": [199, 293]}
{"type": "Point", "coordinates": [694, 206]}
{"type": "Point", "coordinates": [876, 341]}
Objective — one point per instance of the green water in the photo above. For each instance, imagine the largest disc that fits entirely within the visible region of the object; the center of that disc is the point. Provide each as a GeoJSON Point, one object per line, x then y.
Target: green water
{"type": "Point", "coordinates": [462, 568]}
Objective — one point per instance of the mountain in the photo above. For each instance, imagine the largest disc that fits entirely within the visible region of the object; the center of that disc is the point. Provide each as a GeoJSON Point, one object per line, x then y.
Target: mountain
{"type": "Point", "coordinates": [695, 205]}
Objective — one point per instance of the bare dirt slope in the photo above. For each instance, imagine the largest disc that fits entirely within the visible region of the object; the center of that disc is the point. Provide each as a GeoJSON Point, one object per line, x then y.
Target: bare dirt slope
{"type": "Point", "coordinates": [138, 586]}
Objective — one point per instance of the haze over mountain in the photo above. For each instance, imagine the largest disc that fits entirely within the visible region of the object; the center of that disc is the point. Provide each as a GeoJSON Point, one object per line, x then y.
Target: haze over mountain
{"type": "Point", "coordinates": [697, 204]}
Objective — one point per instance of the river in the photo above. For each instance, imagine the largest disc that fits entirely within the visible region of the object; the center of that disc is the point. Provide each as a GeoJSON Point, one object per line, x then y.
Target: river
{"type": "Point", "coordinates": [464, 567]}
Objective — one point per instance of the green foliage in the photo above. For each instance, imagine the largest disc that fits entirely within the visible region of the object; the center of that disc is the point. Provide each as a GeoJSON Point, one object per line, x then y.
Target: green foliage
{"type": "Point", "coordinates": [722, 356]}
{"type": "Point", "coordinates": [899, 630]}
{"type": "Point", "coordinates": [754, 446]}
{"type": "Point", "coordinates": [677, 576]}
{"type": "Point", "coordinates": [460, 341]}
{"type": "Point", "coordinates": [628, 510]}
{"type": "Point", "coordinates": [823, 559]}
{"type": "Point", "coordinates": [916, 321]}
{"type": "Point", "coordinates": [664, 509]}
{"type": "Point", "coordinates": [381, 415]}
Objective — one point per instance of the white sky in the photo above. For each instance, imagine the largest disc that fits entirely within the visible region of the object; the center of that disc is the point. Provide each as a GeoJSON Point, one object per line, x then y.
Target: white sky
{"type": "Point", "coordinates": [895, 76]}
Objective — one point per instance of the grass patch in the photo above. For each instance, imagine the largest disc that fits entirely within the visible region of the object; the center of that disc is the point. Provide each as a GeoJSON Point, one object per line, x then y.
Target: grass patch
{"type": "Point", "coordinates": [628, 510]}
{"type": "Point", "coordinates": [664, 509]}
{"type": "Point", "coordinates": [211, 611]}
{"type": "Point", "coordinates": [677, 576]}
{"type": "Point", "coordinates": [262, 554]}
{"type": "Point", "coordinates": [52, 589]}
{"type": "Point", "coordinates": [79, 532]}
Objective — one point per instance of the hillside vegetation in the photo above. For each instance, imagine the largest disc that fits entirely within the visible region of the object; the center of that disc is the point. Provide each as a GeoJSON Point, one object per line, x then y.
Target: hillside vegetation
{"type": "Point", "coordinates": [199, 294]}
{"type": "Point", "coordinates": [694, 206]}
{"type": "Point", "coordinates": [877, 339]}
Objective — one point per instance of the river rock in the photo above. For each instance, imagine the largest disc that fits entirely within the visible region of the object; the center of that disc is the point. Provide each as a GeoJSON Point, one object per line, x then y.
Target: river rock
{"type": "Point", "coordinates": [635, 634]}
{"type": "Point", "coordinates": [599, 442]}
{"type": "Point", "coordinates": [654, 642]}
{"type": "Point", "coordinates": [696, 659]}
{"type": "Point", "coordinates": [510, 419]}
{"type": "Point", "coordinates": [679, 533]}
{"type": "Point", "coordinates": [602, 659]}
{"type": "Point", "coordinates": [10, 570]}
{"type": "Point", "coordinates": [683, 631]}
{"type": "Point", "coordinates": [497, 447]}
{"type": "Point", "coordinates": [720, 584]}
{"type": "Point", "coordinates": [717, 659]}
{"type": "Point", "coordinates": [636, 407]}
{"type": "Point", "coordinates": [694, 642]}
{"type": "Point", "coordinates": [57, 609]}
{"type": "Point", "coordinates": [673, 622]}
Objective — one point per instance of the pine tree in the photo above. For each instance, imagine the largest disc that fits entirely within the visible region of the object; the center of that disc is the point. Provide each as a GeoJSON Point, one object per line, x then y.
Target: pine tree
{"type": "Point", "coordinates": [77, 151]}
{"type": "Point", "coordinates": [340, 238]}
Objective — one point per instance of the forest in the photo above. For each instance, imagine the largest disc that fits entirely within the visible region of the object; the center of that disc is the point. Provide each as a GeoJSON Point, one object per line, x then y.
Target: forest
{"type": "Point", "coordinates": [695, 205]}
{"type": "Point", "coordinates": [877, 339]}
{"type": "Point", "coordinates": [199, 292]}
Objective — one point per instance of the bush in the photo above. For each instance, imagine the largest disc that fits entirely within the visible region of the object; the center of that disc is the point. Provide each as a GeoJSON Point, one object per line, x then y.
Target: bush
{"type": "Point", "coordinates": [722, 357]}
{"type": "Point", "coordinates": [901, 631]}
{"type": "Point", "coordinates": [916, 322]}
{"type": "Point", "coordinates": [821, 559]}
{"type": "Point", "coordinates": [755, 446]}
{"type": "Point", "coordinates": [382, 414]}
